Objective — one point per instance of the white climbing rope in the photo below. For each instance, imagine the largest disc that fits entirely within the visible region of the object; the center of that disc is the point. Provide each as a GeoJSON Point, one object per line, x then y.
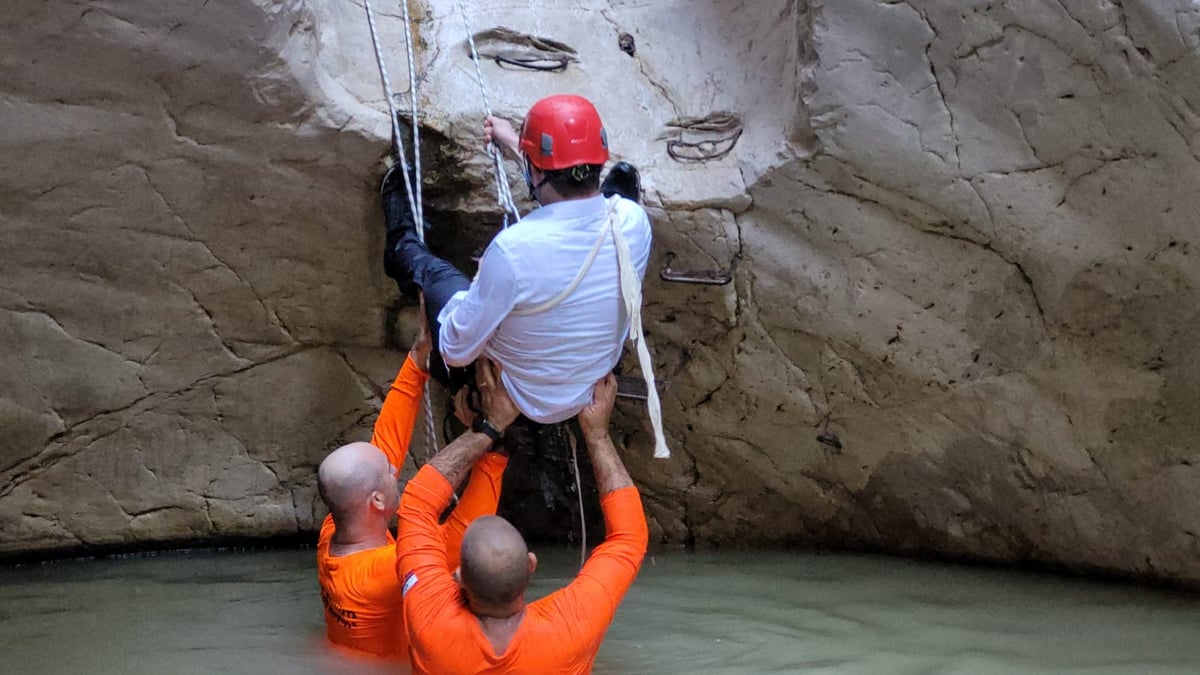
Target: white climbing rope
{"type": "Point", "coordinates": [574, 443]}
{"type": "Point", "coordinates": [397, 139]}
{"type": "Point", "coordinates": [419, 215]}
{"type": "Point", "coordinates": [503, 190]}
{"type": "Point", "coordinates": [414, 200]}
{"type": "Point", "coordinates": [416, 127]}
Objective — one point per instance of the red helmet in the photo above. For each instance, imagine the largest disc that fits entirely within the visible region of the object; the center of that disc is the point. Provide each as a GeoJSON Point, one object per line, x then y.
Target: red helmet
{"type": "Point", "coordinates": [563, 131]}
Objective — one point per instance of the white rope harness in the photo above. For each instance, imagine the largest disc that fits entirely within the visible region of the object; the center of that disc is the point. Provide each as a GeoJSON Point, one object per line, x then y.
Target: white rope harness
{"type": "Point", "coordinates": [631, 295]}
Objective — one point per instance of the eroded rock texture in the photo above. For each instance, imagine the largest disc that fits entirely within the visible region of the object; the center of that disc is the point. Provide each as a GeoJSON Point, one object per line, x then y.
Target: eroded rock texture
{"type": "Point", "coordinates": [960, 236]}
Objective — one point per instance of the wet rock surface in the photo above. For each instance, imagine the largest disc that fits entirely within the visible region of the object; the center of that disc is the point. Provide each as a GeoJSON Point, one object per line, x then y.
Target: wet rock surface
{"type": "Point", "coordinates": [959, 235]}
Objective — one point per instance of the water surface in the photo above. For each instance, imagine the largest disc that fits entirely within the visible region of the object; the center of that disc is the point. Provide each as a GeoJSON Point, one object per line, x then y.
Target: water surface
{"type": "Point", "coordinates": [776, 612]}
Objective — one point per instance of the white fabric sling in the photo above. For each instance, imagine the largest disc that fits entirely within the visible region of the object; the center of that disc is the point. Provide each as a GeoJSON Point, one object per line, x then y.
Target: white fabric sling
{"type": "Point", "coordinates": [631, 294]}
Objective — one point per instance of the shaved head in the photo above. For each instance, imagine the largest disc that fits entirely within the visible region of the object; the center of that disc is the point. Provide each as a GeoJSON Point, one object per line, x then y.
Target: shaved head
{"type": "Point", "coordinates": [348, 476]}
{"type": "Point", "coordinates": [495, 561]}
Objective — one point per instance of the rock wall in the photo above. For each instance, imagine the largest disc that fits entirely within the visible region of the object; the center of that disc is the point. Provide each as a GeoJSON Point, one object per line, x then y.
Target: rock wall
{"type": "Point", "coordinates": [959, 236]}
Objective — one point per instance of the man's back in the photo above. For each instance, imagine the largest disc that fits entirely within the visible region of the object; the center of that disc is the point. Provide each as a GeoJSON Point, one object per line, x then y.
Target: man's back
{"type": "Point", "coordinates": [550, 359]}
{"type": "Point", "coordinates": [560, 633]}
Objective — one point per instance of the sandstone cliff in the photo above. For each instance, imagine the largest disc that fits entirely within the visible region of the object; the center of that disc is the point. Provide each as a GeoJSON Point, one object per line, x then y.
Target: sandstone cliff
{"type": "Point", "coordinates": [960, 236]}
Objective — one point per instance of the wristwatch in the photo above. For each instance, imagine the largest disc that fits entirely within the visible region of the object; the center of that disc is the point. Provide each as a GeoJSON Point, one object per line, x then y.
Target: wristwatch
{"type": "Point", "coordinates": [481, 425]}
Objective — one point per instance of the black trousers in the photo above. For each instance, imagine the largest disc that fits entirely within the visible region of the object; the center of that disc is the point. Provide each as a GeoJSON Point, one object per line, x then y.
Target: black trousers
{"type": "Point", "coordinates": [407, 260]}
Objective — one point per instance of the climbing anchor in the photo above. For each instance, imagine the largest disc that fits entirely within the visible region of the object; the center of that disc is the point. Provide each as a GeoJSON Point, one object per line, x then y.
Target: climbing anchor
{"type": "Point", "coordinates": [717, 277]}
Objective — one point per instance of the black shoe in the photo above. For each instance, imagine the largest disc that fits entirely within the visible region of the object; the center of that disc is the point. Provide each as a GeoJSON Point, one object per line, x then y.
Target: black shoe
{"type": "Point", "coordinates": [623, 179]}
{"type": "Point", "coordinates": [401, 229]}
{"type": "Point", "coordinates": [397, 214]}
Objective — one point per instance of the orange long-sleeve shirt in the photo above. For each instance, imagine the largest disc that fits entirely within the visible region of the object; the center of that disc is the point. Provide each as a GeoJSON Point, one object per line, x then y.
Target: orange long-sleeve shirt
{"type": "Point", "coordinates": [361, 591]}
{"type": "Point", "coordinates": [561, 633]}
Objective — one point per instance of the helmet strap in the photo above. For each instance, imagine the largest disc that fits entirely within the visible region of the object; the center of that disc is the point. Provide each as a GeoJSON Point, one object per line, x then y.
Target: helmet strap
{"type": "Point", "coordinates": [529, 181]}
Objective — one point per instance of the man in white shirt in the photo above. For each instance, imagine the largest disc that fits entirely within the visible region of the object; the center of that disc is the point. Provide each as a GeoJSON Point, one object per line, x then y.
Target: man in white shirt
{"type": "Point", "coordinates": [546, 303]}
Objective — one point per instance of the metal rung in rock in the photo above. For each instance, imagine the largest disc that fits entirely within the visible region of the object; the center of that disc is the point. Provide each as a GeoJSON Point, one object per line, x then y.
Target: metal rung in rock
{"type": "Point", "coordinates": [633, 386]}
{"type": "Point", "coordinates": [716, 277]}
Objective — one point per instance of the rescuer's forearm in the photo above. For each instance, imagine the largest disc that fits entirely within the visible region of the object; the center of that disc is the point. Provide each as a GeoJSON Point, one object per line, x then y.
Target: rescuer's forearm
{"type": "Point", "coordinates": [606, 463]}
{"type": "Point", "coordinates": [456, 459]}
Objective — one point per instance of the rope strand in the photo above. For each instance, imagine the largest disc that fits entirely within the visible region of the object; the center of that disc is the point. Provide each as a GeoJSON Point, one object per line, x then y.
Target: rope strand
{"type": "Point", "coordinates": [430, 422]}
{"type": "Point", "coordinates": [411, 186]}
{"type": "Point", "coordinates": [574, 442]}
{"type": "Point", "coordinates": [503, 190]}
{"type": "Point", "coordinates": [416, 127]}
{"type": "Point", "coordinates": [397, 139]}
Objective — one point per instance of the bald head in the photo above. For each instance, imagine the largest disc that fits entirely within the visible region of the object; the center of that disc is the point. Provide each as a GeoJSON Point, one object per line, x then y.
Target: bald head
{"type": "Point", "coordinates": [348, 476]}
{"type": "Point", "coordinates": [495, 561]}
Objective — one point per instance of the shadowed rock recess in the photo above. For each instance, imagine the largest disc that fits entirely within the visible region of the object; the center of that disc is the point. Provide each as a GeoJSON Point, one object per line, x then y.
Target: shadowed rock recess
{"type": "Point", "coordinates": [960, 235]}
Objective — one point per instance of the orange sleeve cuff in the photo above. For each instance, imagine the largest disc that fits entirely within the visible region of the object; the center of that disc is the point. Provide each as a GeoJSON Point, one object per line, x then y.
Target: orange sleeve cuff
{"type": "Point", "coordinates": [411, 379]}
{"type": "Point", "coordinates": [621, 507]}
{"type": "Point", "coordinates": [430, 491]}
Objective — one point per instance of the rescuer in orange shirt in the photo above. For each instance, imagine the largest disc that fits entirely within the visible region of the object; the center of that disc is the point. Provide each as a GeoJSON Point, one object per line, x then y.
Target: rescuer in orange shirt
{"type": "Point", "coordinates": [480, 622]}
{"type": "Point", "coordinates": [356, 557]}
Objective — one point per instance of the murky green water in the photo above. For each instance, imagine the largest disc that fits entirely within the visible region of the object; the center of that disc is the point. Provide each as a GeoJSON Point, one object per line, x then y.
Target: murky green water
{"type": "Point", "coordinates": [688, 613]}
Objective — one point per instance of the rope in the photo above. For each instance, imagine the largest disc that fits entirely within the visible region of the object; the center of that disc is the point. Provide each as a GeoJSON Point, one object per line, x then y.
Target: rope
{"type": "Point", "coordinates": [574, 443]}
{"type": "Point", "coordinates": [587, 265]}
{"type": "Point", "coordinates": [411, 186]}
{"type": "Point", "coordinates": [503, 192]}
{"type": "Point", "coordinates": [416, 128]}
{"type": "Point", "coordinates": [631, 293]}
{"type": "Point", "coordinates": [430, 430]}
{"type": "Point", "coordinates": [419, 216]}
{"type": "Point", "coordinates": [397, 140]}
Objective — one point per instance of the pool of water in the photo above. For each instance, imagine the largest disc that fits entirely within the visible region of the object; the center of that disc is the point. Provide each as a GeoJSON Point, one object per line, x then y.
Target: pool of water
{"type": "Point", "coordinates": [757, 612]}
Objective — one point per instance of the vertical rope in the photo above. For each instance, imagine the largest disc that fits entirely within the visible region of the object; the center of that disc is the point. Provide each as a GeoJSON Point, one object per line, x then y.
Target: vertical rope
{"type": "Point", "coordinates": [430, 425]}
{"type": "Point", "coordinates": [416, 126]}
{"type": "Point", "coordinates": [503, 192]}
{"type": "Point", "coordinates": [411, 186]}
{"type": "Point", "coordinates": [574, 443]}
{"type": "Point", "coordinates": [383, 75]}
{"type": "Point", "coordinates": [397, 140]}
{"type": "Point", "coordinates": [431, 439]}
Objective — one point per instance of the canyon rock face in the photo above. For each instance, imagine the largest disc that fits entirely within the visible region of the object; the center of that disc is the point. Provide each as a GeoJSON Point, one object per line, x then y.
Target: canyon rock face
{"type": "Point", "coordinates": [959, 237]}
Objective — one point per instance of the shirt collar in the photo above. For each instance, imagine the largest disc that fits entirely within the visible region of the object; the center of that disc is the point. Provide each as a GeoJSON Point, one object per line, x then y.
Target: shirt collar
{"type": "Point", "coordinates": [570, 209]}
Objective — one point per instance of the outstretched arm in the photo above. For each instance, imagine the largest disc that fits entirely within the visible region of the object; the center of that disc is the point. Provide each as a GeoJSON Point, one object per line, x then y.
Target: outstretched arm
{"type": "Point", "coordinates": [422, 559]}
{"type": "Point", "coordinates": [479, 498]}
{"type": "Point", "coordinates": [591, 600]}
{"type": "Point", "coordinates": [593, 420]}
{"type": "Point", "coordinates": [469, 318]}
{"type": "Point", "coordinates": [398, 416]}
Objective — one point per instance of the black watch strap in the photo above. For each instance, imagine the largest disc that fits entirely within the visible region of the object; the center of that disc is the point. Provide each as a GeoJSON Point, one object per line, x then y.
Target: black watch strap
{"type": "Point", "coordinates": [482, 426]}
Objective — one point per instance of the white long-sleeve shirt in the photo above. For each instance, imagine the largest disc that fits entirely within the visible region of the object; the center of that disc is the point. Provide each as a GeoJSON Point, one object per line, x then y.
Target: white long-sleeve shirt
{"type": "Point", "coordinates": [552, 360]}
